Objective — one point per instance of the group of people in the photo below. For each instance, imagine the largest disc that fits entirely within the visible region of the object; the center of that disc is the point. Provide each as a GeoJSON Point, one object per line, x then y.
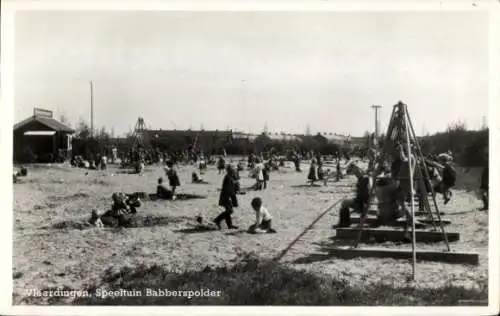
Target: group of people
{"type": "Point", "coordinates": [123, 206]}
{"type": "Point", "coordinates": [100, 162]}
{"type": "Point", "coordinates": [391, 185]}
{"type": "Point", "coordinates": [317, 172]}
{"type": "Point", "coordinates": [228, 200]}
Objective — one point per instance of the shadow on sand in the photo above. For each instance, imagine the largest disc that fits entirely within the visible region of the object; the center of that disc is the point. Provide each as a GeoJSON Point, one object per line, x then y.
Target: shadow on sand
{"type": "Point", "coordinates": [196, 230]}
{"type": "Point", "coordinates": [301, 186]}
{"type": "Point", "coordinates": [179, 197]}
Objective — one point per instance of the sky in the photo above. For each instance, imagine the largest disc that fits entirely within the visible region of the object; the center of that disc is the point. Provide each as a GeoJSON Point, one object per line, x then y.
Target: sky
{"type": "Point", "coordinates": [245, 70]}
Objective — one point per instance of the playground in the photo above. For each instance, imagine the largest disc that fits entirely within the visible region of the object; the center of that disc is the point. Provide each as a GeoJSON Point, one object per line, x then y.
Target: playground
{"type": "Point", "coordinates": [52, 251]}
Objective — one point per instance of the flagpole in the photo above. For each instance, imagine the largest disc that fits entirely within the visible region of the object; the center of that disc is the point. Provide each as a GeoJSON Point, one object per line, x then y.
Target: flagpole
{"type": "Point", "coordinates": [91, 109]}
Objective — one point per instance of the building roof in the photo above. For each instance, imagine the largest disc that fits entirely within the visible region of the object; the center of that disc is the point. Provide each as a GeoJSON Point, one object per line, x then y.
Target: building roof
{"type": "Point", "coordinates": [49, 122]}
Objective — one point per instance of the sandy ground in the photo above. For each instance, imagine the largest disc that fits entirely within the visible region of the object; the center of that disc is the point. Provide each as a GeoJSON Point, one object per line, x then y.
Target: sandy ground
{"type": "Point", "coordinates": [45, 257]}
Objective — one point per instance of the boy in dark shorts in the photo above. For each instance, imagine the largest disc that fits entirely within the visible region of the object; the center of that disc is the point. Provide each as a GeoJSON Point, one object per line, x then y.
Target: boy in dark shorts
{"type": "Point", "coordinates": [360, 201]}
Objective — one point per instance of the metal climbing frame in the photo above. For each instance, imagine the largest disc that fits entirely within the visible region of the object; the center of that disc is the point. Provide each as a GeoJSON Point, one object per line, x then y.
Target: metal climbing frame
{"type": "Point", "coordinates": [400, 131]}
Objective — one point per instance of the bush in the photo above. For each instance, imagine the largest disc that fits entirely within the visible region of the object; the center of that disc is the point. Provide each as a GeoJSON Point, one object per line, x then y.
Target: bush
{"type": "Point", "coordinates": [257, 282]}
{"type": "Point", "coordinates": [469, 147]}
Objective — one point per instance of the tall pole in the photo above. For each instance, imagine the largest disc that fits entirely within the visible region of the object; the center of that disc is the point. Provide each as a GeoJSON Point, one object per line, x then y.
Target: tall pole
{"type": "Point", "coordinates": [412, 198]}
{"type": "Point", "coordinates": [91, 109]}
{"type": "Point", "coordinates": [376, 107]}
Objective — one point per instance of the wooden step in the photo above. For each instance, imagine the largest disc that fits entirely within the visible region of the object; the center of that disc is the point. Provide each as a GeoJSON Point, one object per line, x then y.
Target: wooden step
{"type": "Point", "coordinates": [417, 213]}
{"type": "Point", "coordinates": [399, 223]}
{"type": "Point", "coordinates": [382, 234]}
{"type": "Point", "coordinates": [371, 220]}
{"type": "Point", "coordinates": [436, 221]}
{"type": "Point", "coordinates": [407, 204]}
{"type": "Point", "coordinates": [422, 255]}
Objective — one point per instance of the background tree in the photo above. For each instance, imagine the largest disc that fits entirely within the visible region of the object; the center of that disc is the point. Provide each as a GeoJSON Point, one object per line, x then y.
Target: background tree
{"type": "Point", "coordinates": [82, 130]}
{"type": "Point", "coordinates": [63, 119]}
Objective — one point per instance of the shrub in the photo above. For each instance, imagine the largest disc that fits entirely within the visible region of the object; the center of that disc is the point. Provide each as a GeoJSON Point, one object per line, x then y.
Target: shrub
{"type": "Point", "coordinates": [469, 147]}
{"type": "Point", "coordinates": [258, 282]}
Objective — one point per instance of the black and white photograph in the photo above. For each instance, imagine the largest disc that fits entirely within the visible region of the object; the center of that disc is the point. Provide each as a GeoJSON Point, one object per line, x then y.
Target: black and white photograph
{"type": "Point", "coordinates": [252, 158]}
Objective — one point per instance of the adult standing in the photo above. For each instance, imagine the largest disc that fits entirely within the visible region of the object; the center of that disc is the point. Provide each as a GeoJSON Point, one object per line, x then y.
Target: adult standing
{"type": "Point", "coordinates": [227, 199]}
{"type": "Point", "coordinates": [485, 187]}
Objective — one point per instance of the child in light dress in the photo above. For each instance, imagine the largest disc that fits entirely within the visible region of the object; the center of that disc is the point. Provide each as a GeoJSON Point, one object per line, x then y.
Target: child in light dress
{"type": "Point", "coordinates": [263, 220]}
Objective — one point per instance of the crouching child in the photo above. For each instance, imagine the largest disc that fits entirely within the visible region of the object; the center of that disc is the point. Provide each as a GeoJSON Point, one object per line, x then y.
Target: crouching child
{"type": "Point", "coordinates": [195, 179]}
{"type": "Point", "coordinates": [95, 219]}
{"type": "Point", "coordinates": [263, 220]}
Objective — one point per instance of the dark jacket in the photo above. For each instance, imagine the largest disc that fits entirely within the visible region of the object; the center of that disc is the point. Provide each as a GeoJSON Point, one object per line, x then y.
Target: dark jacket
{"type": "Point", "coordinates": [266, 171]}
{"type": "Point", "coordinates": [221, 164]}
{"type": "Point", "coordinates": [485, 178]}
{"type": "Point", "coordinates": [173, 178]}
{"type": "Point", "coordinates": [228, 192]}
{"type": "Point", "coordinates": [362, 188]}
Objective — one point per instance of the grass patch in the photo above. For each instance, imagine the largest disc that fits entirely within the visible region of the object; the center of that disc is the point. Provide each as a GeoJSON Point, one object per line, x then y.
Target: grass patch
{"type": "Point", "coordinates": [258, 282]}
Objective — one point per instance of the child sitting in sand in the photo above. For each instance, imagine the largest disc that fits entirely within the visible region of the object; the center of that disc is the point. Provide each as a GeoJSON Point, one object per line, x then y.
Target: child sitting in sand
{"type": "Point", "coordinates": [263, 218]}
{"type": "Point", "coordinates": [196, 179]}
{"type": "Point", "coordinates": [125, 203]}
{"type": "Point", "coordinates": [95, 219]}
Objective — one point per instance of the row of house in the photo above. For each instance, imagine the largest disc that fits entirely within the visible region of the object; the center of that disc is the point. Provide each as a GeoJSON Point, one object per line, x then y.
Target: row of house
{"type": "Point", "coordinates": [333, 138]}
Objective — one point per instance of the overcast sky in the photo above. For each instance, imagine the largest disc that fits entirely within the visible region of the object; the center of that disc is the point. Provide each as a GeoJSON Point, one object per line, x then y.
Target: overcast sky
{"type": "Point", "coordinates": [243, 69]}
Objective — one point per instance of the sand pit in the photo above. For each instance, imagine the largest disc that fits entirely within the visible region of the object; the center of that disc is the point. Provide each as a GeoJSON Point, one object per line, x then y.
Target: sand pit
{"type": "Point", "coordinates": [80, 256]}
{"type": "Point", "coordinates": [128, 221]}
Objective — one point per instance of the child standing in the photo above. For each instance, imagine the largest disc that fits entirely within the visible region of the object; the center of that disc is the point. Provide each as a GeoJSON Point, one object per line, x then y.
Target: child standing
{"type": "Point", "coordinates": [221, 164]}
{"type": "Point", "coordinates": [263, 219]}
{"type": "Point", "coordinates": [313, 172]}
{"type": "Point", "coordinates": [449, 181]}
{"type": "Point", "coordinates": [259, 174]}
{"type": "Point", "coordinates": [227, 199]}
{"type": "Point", "coordinates": [173, 178]}
{"type": "Point", "coordinates": [339, 175]}
{"type": "Point", "coordinates": [104, 163]}
{"type": "Point", "coordinates": [196, 179]}
{"type": "Point", "coordinates": [265, 173]}
{"type": "Point", "coordinates": [202, 165]}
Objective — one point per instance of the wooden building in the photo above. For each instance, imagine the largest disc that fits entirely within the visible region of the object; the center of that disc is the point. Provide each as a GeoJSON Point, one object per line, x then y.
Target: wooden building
{"type": "Point", "coordinates": [41, 138]}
